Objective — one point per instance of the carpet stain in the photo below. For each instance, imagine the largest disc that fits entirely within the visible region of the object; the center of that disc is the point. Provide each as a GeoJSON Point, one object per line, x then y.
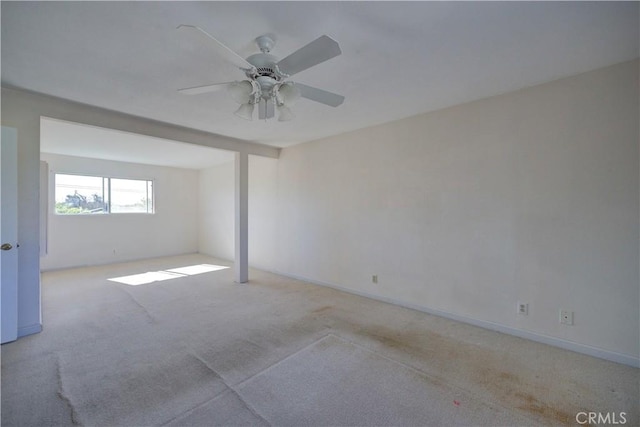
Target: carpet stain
{"type": "Point", "coordinates": [322, 309]}
{"type": "Point", "coordinates": [534, 406]}
{"type": "Point", "coordinates": [508, 376]}
{"type": "Point", "coordinates": [483, 368]}
{"type": "Point", "coordinates": [411, 341]}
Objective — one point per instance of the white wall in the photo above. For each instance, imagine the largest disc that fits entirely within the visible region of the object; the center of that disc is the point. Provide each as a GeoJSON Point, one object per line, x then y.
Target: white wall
{"type": "Point", "coordinates": [78, 240]}
{"type": "Point", "coordinates": [263, 190]}
{"type": "Point", "coordinates": [216, 211]}
{"type": "Point", "coordinates": [531, 196]}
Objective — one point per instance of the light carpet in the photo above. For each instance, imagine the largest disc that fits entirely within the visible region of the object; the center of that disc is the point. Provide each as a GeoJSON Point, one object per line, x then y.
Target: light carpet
{"type": "Point", "coordinates": [200, 350]}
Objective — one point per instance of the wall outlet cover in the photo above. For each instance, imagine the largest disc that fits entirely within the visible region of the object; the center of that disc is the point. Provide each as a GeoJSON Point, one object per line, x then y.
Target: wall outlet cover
{"type": "Point", "coordinates": [566, 317]}
{"type": "Point", "coordinates": [523, 308]}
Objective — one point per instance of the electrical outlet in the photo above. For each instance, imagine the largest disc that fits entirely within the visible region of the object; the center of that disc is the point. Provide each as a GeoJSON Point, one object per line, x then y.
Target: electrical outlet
{"type": "Point", "coordinates": [566, 317]}
{"type": "Point", "coordinates": [523, 308]}
{"type": "Point", "coordinates": [374, 278]}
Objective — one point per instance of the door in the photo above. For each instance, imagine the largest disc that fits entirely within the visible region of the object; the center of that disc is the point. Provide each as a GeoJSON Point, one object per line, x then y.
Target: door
{"type": "Point", "coordinates": [9, 234]}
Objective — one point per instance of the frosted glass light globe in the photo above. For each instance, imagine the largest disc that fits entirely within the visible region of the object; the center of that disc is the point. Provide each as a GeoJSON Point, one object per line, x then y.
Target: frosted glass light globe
{"type": "Point", "coordinates": [289, 93]}
{"type": "Point", "coordinates": [245, 111]}
{"type": "Point", "coordinates": [241, 91]}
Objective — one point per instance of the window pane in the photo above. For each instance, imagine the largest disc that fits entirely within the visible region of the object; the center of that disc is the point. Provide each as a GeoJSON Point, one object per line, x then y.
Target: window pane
{"type": "Point", "coordinates": [131, 195]}
{"type": "Point", "coordinates": [78, 194]}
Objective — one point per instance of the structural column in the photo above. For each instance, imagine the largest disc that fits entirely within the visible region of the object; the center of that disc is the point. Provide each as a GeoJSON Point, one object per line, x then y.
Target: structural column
{"type": "Point", "coordinates": [241, 265]}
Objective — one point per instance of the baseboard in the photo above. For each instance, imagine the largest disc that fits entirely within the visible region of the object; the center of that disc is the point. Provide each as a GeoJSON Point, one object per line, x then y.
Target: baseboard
{"type": "Point", "coordinates": [533, 336]}
{"type": "Point", "coordinates": [29, 330]}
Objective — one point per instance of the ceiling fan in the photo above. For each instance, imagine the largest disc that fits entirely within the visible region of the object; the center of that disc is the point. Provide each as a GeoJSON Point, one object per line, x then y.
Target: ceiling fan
{"type": "Point", "coordinates": [267, 85]}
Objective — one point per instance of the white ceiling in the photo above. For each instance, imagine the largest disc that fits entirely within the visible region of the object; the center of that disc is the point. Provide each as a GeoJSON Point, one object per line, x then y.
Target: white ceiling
{"type": "Point", "coordinates": [73, 139]}
{"type": "Point", "coordinates": [399, 58]}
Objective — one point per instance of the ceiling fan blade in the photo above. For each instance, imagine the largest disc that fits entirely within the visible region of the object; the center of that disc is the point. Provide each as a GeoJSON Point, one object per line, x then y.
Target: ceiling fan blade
{"type": "Point", "coordinates": [319, 95]}
{"type": "Point", "coordinates": [197, 90]}
{"type": "Point", "coordinates": [321, 49]}
{"type": "Point", "coordinates": [217, 46]}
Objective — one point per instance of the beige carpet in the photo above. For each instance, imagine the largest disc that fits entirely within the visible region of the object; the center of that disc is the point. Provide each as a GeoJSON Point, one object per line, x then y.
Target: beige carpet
{"type": "Point", "coordinates": [156, 343]}
{"type": "Point", "coordinates": [336, 382]}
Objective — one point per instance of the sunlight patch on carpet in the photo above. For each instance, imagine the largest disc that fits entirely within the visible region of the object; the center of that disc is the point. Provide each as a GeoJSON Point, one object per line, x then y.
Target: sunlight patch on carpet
{"type": "Point", "coordinates": [197, 269]}
{"type": "Point", "coordinates": [162, 275]}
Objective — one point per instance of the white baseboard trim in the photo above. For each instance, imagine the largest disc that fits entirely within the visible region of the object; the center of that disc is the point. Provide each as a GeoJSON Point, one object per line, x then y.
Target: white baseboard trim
{"type": "Point", "coordinates": [29, 330]}
{"type": "Point", "coordinates": [533, 336]}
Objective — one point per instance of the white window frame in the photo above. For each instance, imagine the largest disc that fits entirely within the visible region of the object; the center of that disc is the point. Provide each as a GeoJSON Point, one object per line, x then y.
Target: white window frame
{"type": "Point", "coordinates": [107, 193]}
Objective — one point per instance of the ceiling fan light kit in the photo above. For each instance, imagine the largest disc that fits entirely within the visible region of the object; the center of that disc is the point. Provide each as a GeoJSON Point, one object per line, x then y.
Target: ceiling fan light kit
{"type": "Point", "coordinates": [241, 91]}
{"type": "Point", "coordinates": [266, 85]}
{"type": "Point", "coordinates": [285, 113]}
{"type": "Point", "coordinates": [245, 111]}
{"type": "Point", "coordinates": [289, 92]}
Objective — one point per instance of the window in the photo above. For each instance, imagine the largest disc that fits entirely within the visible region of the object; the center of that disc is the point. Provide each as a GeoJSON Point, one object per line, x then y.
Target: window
{"type": "Point", "coordinates": [131, 195]}
{"type": "Point", "coordinates": [80, 195]}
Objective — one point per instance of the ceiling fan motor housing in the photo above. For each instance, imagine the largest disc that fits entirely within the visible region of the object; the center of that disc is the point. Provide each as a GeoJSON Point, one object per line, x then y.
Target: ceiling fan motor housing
{"type": "Point", "coordinates": [266, 72]}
